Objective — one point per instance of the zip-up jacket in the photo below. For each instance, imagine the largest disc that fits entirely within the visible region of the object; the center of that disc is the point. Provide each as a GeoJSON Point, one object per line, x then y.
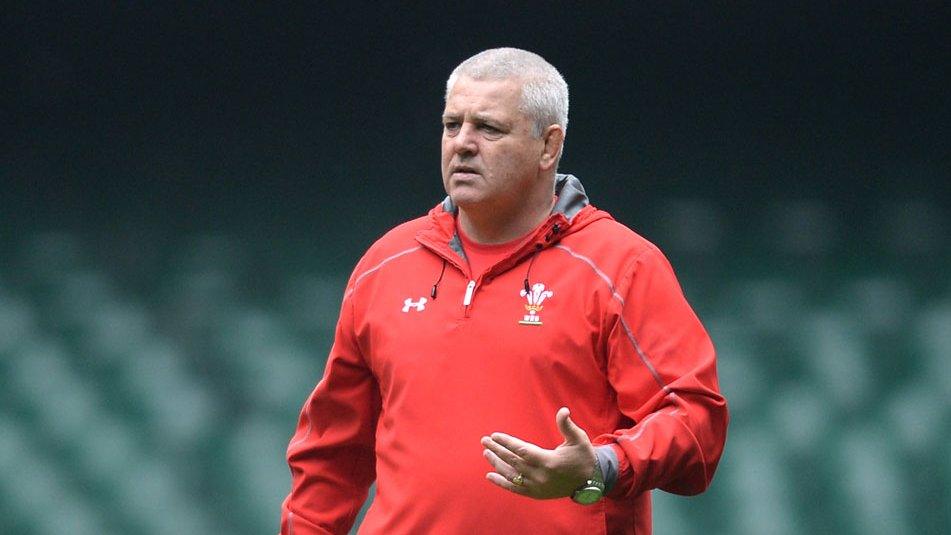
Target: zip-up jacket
{"type": "Point", "coordinates": [429, 357]}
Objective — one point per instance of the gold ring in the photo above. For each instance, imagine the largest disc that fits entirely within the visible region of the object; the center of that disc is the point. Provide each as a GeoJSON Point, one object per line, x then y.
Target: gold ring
{"type": "Point", "coordinates": [518, 480]}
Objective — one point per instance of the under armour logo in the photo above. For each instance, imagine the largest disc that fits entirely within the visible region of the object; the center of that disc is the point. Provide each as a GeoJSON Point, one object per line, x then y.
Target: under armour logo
{"type": "Point", "coordinates": [418, 305]}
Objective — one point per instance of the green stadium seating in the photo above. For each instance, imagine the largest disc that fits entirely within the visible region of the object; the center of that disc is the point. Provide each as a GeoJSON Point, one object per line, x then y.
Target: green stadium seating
{"type": "Point", "coordinates": [153, 389]}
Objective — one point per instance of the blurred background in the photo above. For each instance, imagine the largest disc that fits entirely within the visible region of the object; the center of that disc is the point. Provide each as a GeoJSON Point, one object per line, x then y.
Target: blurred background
{"type": "Point", "coordinates": [184, 189]}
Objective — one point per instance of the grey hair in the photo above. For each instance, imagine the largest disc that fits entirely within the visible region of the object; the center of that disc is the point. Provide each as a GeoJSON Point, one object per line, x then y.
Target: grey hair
{"type": "Point", "coordinates": [544, 91]}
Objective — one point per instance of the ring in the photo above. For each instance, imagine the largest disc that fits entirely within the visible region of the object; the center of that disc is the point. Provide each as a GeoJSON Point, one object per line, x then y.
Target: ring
{"type": "Point", "coordinates": [518, 480]}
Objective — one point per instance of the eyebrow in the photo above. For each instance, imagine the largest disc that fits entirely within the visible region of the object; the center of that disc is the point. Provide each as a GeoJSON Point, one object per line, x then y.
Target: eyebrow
{"type": "Point", "coordinates": [482, 118]}
{"type": "Point", "coordinates": [479, 118]}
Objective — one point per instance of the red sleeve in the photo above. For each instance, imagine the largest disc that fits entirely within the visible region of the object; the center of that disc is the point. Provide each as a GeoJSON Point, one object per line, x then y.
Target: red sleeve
{"type": "Point", "coordinates": [331, 455]}
{"type": "Point", "coordinates": [662, 365]}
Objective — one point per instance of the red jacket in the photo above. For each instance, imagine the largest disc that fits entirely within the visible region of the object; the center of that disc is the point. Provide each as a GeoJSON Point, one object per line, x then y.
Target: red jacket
{"type": "Point", "coordinates": [414, 381]}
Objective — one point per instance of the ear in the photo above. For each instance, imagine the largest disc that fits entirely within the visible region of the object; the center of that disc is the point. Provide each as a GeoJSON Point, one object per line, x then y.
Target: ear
{"type": "Point", "coordinates": [554, 138]}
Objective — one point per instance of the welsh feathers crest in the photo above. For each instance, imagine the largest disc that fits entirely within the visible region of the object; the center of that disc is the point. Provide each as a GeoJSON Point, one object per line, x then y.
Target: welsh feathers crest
{"type": "Point", "coordinates": [535, 297]}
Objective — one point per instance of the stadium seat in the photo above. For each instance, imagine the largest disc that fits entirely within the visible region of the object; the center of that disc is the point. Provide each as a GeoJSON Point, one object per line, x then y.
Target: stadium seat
{"type": "Point", "coordinates": [161, 401]}
{"type": "Point", "coordinates": [871, 484]}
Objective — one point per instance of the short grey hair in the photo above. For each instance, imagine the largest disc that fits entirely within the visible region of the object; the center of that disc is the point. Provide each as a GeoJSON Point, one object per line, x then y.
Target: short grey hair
{"type": "Point", "coordinates": [544, 91]}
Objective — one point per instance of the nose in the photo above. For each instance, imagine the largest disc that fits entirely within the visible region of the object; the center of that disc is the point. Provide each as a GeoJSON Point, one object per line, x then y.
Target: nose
{"type": "Point", "coordinates": [465, 141]}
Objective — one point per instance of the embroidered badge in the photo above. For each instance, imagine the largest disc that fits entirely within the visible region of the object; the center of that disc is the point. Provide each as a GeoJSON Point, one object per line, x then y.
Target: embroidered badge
{"type": "Point", "coordinates": [534, 306]}
{"type": "Point", "coordinates": [420, 305]}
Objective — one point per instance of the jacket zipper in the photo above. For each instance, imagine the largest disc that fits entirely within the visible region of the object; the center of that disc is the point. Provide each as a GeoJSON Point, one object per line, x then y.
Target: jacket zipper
{"type": "Point", "coordinates": [508, 263]}
{"type": "Point", "coordinates": [470, 289]}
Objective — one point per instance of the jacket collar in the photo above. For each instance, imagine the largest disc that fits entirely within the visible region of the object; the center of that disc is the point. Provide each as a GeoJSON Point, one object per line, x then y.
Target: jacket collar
{"type": "Point", "coordinates": [571, 198]}
{"type": "Point", "coordinates": [440, 236]}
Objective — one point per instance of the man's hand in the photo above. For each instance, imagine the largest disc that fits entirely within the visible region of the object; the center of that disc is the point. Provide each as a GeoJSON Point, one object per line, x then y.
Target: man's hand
{"type": "Point", "coordinates": [544, 473]}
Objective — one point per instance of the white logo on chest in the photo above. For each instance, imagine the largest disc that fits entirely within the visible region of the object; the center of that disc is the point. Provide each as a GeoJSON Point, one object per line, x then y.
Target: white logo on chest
{"type": "Point", "coordinates": [420, 305]}
{"type": "Point", "coordinates": [534, 306]}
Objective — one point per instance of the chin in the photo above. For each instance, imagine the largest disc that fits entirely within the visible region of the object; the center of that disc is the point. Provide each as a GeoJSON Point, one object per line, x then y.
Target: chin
{"type": "Point", "coordinates": [461, 200]}
{"type": "Point", "coordinates": [464, 196]}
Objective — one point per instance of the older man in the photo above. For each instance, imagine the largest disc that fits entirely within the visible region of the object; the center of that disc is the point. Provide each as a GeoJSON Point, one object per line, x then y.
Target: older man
{"type": "Point", "coordinates": [466, 336]}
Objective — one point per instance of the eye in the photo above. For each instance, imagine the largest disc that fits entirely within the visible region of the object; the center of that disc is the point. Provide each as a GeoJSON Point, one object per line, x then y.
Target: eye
{"type": "Point", "coordinates": [450, 126]}
{"type": "Point", "coordinates": [490, 132]}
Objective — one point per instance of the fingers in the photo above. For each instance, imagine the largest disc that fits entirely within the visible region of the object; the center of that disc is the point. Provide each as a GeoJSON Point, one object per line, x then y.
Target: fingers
{"type": "Point", "coordinates": [501, 467]}
{"type": "Point", "coordinates": [568, 429]}
{"type": "Point", "coordinates": [504, 454]}
{"type": "Point", "coordinates": [516, 448]}
{"type": "Point", "coordinates": [504, 474]}
{"type": "Point", "coordinates": [500, 481]}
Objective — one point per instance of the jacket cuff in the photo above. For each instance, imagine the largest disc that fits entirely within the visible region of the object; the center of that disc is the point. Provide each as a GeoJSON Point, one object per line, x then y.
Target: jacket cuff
{"type": "Point", "coordinates": [608, 461]}
{"type": "Point", "coordinates": [623, 475]}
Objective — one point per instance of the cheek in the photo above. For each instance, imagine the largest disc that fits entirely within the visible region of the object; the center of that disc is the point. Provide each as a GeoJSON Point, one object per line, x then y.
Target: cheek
{"type": "Point", "coordinates": [445, 158]}
{"type": "Point", "coordinates": [515, 162]}
{"type": "Point", "coordinates": [445, 155]}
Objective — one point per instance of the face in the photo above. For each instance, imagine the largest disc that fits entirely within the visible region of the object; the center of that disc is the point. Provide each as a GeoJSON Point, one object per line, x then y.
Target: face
{"type": "Point", "coordinates": [489, 157]}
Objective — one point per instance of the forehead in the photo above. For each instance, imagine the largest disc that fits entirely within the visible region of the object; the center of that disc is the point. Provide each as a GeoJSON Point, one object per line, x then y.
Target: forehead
{"type": "Point", "coordinates": [484, 96]}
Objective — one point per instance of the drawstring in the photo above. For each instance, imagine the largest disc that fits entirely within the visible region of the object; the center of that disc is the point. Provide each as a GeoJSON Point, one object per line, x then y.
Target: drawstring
{"type": "Point", "coordinates": [432, 292]}
{"type": "Point", "coordinates": [528, 273]}
{"type": "Point", "coordinates": [528, 287]}
{"type": "Point", "coordinates": [555, 229]}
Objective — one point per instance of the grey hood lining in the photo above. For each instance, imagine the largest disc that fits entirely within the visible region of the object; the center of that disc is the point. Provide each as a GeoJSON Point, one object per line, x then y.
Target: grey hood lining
{"type": "Point", "coordinates": [456, 245]}
{"type": "Point", "coordinates": [571, 196]}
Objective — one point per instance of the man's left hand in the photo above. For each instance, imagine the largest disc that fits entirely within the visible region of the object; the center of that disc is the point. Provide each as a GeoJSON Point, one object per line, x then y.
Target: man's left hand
{"type": "Point", "coordinates": [529, 470]}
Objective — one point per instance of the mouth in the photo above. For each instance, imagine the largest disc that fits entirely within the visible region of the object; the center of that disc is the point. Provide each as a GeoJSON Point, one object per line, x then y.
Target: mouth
{"type": "Point", "coordinates": [464, 170]}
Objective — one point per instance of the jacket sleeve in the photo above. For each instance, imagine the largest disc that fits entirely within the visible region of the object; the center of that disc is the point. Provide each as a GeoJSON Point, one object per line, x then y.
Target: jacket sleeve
{"type": "Point", "coordinates": [662, 365]}
{"type": "Point", "coordinates": [331, 455]}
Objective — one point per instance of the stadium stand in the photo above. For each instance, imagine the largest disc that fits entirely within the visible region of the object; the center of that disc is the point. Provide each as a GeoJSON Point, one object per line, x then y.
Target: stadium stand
{"type": "Point", "coordinates": [156, 396]}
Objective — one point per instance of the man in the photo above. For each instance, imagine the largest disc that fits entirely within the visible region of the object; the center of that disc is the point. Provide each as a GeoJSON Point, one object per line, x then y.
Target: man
{"type": "Point", "coordinates": [513, 346]}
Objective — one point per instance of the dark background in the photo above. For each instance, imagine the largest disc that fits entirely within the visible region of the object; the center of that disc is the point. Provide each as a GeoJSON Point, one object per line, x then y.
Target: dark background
{"type": "Point", "coordinates": [282, 118]}
{"type": "Point", "coordinates": [184, 188]}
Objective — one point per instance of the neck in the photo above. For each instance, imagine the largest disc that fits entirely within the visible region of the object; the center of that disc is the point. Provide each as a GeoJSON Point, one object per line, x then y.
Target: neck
{"type": "Point", "coordinates": [489, 226]}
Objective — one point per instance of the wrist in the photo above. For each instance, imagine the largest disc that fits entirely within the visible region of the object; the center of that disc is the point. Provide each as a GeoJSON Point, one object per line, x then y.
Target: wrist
{"type": "Point", "coordinates": [592, 490]}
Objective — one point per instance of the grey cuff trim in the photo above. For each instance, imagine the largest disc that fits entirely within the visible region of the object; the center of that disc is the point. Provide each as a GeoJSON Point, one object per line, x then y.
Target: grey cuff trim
{"type": "Point", "coordinates": [607, 459]}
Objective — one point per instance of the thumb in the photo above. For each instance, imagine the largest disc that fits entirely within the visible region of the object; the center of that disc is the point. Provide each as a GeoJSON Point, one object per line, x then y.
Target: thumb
{"type": "Point", "coordinates": [568, 429]}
